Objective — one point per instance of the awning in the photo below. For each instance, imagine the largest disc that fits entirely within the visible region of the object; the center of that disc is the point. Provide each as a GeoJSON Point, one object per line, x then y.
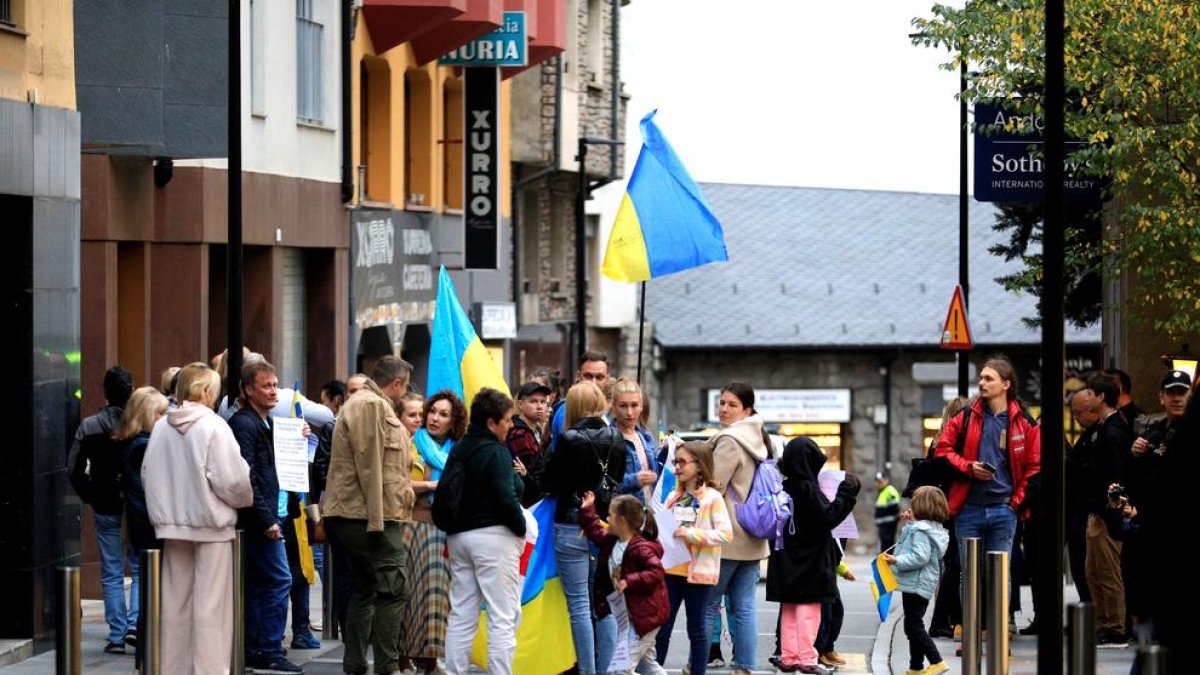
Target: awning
{"type": "Point", "coordinates": [548, 33]}
{"type": "Point", "coordinates": [482, 16]}
{"type": "Point", "coordinates": [394, 22]}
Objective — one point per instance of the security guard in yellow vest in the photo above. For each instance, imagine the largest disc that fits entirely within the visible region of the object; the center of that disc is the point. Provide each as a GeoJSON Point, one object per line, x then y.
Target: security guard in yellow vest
{"type": "Point", "coordinates": [887, 511]}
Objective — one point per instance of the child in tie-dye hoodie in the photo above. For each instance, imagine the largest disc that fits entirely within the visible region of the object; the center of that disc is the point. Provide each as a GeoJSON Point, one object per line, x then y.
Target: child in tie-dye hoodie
{"type": "Point", "coordinates": [704, 526]}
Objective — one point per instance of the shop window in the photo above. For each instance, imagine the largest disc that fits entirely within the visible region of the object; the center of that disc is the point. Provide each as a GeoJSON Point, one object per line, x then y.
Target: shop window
{"type": "Point", "coordinates": [452, 143]}
{"type": "Point", "coordinates": [827, 435]}
{"type": "Point", "coordinates": [418, 134]}
{"type": "Point", "coordinates": [375, 129]}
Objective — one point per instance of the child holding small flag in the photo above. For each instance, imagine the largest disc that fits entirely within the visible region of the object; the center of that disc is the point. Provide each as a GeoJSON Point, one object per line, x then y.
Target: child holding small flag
{"type": "Point", "coordinates": [917, 564]}
{"type": "Point", "coordinates": [629, 562]}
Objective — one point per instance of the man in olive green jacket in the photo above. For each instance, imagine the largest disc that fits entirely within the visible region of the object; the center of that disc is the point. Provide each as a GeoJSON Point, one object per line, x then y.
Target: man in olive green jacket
{"type": "Point", "coordinates": [367, 494]}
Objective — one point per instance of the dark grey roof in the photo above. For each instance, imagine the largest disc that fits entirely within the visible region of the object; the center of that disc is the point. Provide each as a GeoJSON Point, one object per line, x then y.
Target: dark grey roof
{"type": "Point", "coordinates": [811, 267]}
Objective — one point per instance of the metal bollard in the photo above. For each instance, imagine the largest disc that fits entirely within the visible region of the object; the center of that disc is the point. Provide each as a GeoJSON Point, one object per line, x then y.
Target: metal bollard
{"type": "Point", "coordinates": [68, 658]}
{"type": "Point", "coordinates": [328, 618]}
{"type": "Point", "coordinates": [997, 643]}
{"type": "Point", "coordinates": [1153, 660]}
{"type": "Point", "coordinates": [238, 658]}
{"type": "Point", "coordinates": [1081, 649]}
{"type": "Point", "coordinates": [151, 635]}
{"type": "Point", "coordinates": [971, 637]}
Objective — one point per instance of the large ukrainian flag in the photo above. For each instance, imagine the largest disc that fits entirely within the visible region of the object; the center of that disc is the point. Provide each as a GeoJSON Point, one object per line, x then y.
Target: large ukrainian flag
{"type": "Point", "coordinates": [458, 361]}
{"type": "Point", "coordinates": [544, 644]}
{"type": "Point", "coordinates": [663, 225]}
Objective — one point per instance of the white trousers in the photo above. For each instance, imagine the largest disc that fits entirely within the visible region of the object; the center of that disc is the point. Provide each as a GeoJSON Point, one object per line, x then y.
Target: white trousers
{"type": "Point", "coordinates": [484, 567]}
{"type": "Point", "coordinates": [197, 607]}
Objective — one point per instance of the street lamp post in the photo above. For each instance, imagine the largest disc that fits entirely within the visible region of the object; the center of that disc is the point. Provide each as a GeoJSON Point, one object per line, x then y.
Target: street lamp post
{"type": "Point", "coordinates": [585, 189]}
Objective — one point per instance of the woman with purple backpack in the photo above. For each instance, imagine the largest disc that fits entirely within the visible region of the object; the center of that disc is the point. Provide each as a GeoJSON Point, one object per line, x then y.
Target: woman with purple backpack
{"type": "Point", "coordinates": [738, 449]}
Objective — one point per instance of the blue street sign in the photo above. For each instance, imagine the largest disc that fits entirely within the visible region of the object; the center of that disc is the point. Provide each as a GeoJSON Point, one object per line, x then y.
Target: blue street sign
{"type": "Point", "coordinates": [508, 45]}
{"type": "Point", "coordinates": [1008, 163]}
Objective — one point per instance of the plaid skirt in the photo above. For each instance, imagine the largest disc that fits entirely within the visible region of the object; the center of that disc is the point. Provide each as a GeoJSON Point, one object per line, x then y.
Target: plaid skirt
{"type": "Point", "coordinates": [423, 627]}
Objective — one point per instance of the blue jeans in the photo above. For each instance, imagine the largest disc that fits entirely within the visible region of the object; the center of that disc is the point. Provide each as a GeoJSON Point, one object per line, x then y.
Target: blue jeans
{"type": "Point", "coordinates": [696, 596]}
{"type": "Point", "coordinates": [738, 582]}
{"type": "Point", "coordinates": [113, 554]}
{"type": "Point", "coordinates": [268, 582]}
{"type": "Point", "coordinates": [994, 526]}
{"type": "Point", "coordinates": [593, 644]}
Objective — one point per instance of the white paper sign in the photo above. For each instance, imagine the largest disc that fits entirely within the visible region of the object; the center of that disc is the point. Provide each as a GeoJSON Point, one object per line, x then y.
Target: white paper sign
{"type": "Point", "coordinates": [675, 551]}
{"type": "Point", "coordinates": [829, 482]}
{"type": "Point", "coordinates": [291, 454]}
{"type": "Point", "coordinates": [621, 660]}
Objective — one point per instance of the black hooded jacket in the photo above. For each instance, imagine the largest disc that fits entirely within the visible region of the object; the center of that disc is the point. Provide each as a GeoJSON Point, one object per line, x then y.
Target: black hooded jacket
{"type": "Point", "coordinates": [801, 572]}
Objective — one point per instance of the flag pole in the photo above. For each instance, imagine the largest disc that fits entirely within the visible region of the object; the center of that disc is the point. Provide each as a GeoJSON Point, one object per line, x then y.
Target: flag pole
{"type": "Point", "coordinates": [641, 331]}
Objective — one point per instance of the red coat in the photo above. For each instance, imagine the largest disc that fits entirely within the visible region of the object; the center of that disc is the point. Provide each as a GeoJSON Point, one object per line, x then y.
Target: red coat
{"type": "Point", "coordinates": [1024, 452]}
{"type": "Point", "coordinates": [641, 568]}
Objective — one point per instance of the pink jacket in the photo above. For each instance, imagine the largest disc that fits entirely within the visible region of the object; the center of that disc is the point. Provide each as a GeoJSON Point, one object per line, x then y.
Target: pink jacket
{"type": "Point", "coordinates": [194, 476]}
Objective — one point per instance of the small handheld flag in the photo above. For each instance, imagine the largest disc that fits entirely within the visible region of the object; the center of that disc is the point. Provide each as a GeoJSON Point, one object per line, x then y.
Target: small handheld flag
{"type": "Point", "coordinates": [664, 225]}
{"type": "Point", "coordinates": [883, 585]}
{"type": "Point", "coordinates": [297, 409]}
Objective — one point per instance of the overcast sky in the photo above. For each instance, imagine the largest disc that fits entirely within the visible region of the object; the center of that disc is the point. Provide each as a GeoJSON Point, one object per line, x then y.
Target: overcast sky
{"type": "Point", "coordinates": [794, 92]}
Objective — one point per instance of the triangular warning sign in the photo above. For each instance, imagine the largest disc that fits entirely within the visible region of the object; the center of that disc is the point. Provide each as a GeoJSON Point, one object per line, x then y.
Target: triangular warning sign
{"type": "Point", "coordinates": [956, 334]}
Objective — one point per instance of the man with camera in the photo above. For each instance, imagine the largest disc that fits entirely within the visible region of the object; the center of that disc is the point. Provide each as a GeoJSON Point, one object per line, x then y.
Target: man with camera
{"type": "Point", "coordinates": [1103, 444]}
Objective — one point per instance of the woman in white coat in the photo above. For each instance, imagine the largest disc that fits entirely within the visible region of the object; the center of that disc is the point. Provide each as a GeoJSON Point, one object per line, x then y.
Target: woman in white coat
{"type": "Point", "coordinates": [195, 481]}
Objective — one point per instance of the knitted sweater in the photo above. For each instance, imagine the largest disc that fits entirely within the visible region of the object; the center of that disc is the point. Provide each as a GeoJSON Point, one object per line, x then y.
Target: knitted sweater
{"type": "Point", "coordinates": [711, 530]}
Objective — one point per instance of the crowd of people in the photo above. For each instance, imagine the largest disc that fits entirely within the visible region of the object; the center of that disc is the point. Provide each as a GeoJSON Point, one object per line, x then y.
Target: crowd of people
{"type": "Point", "coordinates": [413, 557]}
{"type": "Point", "coordinates": [415, 554]}
{"type": "Point", "coordinates": [1126, 476]}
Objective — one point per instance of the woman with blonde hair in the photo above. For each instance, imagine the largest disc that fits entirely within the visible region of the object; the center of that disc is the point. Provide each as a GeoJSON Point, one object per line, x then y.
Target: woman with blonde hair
{"type": "Point", "coordinates": [195, 481]}
{"type": "Point", "coordinates": [589, 456]}
{"type": "Point", "coordinates": [641, 454]}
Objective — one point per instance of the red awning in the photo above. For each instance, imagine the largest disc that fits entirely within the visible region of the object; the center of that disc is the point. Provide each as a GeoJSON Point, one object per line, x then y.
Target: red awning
{"type": "Point", "coordinates": [482, 16]}
{"type": "Point", "coordinates": [394, 22]}
{"type": "Point", "coordinates": [551, 32]}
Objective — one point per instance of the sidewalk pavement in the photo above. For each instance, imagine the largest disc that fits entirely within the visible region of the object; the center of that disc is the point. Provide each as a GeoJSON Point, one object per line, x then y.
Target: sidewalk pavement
{"type": "Point", "coordinates": [890, 656]}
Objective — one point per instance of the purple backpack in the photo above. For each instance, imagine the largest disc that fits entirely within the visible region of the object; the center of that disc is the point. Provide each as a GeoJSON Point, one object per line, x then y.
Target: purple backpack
{"type": "Point", "coordinates": [767, 509]}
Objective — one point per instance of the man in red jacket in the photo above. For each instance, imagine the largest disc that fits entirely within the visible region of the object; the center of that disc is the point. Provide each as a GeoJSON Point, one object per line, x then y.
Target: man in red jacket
{"type": "Point", "coordinates": [1000, 451]}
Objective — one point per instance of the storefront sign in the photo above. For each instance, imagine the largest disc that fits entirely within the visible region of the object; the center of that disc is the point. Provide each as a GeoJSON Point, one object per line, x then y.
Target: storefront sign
{"type": "Point", "coordinates": [1009, 162]}
{"type": "Point", "coordinates": [794, 405]}
{"type": "Point", "coordinates": [481, 165]}
{"type": "Point", "coordinates": [508, 45]}
{"type": "Point", "coordinates": [496, 320]}
{"type": "Point", "coordinates": [393, 278]}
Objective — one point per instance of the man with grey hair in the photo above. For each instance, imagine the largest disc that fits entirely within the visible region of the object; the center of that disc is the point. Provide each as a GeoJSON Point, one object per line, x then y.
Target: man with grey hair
{"type": "Point", "coordinates": [367, 494]}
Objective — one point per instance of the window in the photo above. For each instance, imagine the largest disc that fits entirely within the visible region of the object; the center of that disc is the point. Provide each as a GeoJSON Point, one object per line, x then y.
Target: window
{"type": "Point", "coordinates": [308, 63]}
{"type": "Point", "coordinates": [595, 42]}
{"type": "Point", "coordinates": [452, 142]}
{"type": "Point", "coordinates": [258, 89]}
{"type": "Point", "coordinates": [531, 259]}
{"type": "Point", "coordinates": [6, 14]}
{"type": "Point", "coordinates": [375, 129]}
{"type": "Point", "coordinates": [418, 138]}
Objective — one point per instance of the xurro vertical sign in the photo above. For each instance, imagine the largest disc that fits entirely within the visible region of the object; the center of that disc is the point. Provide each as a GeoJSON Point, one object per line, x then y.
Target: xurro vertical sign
{"type": "Point", "coordinates": [508, 45]}
{"type": "Point", "coordinates": [481, 246]}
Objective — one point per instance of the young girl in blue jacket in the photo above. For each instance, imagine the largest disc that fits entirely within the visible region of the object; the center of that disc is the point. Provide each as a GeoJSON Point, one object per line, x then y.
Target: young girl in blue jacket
{"type": "Point", "coordinates": [917, 563]}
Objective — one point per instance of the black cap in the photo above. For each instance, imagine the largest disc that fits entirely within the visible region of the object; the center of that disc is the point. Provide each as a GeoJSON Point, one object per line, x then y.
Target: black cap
{"type": "Point", "coordinates": [530, 388]}
{"type": "Point", "coordinates": [1175, 378]}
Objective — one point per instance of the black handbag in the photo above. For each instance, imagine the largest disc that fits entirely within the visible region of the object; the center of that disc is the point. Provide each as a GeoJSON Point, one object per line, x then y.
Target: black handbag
{"type": "Point", "coordinates": [937, 471]}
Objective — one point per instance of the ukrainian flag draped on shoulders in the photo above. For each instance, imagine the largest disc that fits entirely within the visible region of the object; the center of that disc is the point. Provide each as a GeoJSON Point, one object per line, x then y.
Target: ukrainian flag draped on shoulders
{"type": "Point", "coordinates": [664, 225]}
{"type": "Point", "coordinates": [458, 361]}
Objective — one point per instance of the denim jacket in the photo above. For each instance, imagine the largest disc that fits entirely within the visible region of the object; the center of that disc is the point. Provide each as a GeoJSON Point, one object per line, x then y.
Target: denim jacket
{"type": "Point", "coordinates": [633, 463]}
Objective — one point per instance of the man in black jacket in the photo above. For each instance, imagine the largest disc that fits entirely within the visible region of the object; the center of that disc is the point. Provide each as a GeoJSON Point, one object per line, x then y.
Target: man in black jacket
{"type": "Point", "coordinates": [95, 462]}
{"type": "Point", "coordinates": [1106, 444]}
{"type": "Point", "coordinates": [268, 579]}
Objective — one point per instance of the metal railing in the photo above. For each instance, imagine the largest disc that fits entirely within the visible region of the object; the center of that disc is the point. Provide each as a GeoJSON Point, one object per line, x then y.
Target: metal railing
{"type": "Point", "coordinates": [238, 658]}
{"type": "Point", "coordinates": [308, 70]}
{"type": "Point", "coordinates": [150, 638]}
{"type": "Point", "coordinates": [1081, 646]}
{"type": "Point", "coordinates": [997, 605]}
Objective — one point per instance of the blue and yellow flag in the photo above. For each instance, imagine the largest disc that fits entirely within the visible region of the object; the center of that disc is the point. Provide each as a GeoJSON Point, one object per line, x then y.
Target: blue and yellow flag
{"type": "Point", "coordinates": [458, 361]}
{"type": "Point", "coordinates": [883, 585]}
{"type": "Point", "coordinates": [297, 408]}
{"type": "Point", "coordinates": [544, 645]}
{"type": "Point", "coordinates": [663, 225]}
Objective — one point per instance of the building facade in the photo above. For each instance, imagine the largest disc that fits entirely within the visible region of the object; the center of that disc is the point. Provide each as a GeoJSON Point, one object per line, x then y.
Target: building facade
{"type": "Point", "coordinates": [578, 95]}
{"type": "Point", "coordinates": [39, 200]}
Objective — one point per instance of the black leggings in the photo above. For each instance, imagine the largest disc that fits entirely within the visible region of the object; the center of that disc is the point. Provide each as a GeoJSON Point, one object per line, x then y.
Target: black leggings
{"type": "Point", "coordinates": [920, 645]}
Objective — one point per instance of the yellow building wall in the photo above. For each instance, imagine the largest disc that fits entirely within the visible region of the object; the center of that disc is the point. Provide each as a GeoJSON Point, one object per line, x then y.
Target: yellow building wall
{"type": "Point", "coordinates": [389, 140]}
{"type": "Point", "coordinates": [37, 57]}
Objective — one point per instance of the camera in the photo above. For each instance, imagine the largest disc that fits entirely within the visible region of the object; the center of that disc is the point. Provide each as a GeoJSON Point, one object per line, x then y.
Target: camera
{"type": "Point", "coordinates": [1116, 493]}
